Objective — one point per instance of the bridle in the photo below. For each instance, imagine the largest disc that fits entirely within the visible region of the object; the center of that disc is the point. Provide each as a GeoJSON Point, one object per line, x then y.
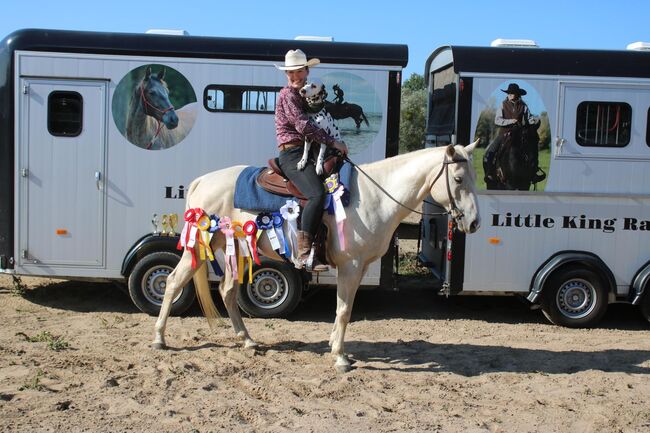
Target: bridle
{"type": "Point", "coordinates": [453, 210]}
{"type": "Point", "coordinates": [148, 104]}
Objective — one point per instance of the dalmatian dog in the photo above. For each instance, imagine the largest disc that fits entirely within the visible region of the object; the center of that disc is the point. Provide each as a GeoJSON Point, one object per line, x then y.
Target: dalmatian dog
{"type": "Point", "coordinates": [314, 93]}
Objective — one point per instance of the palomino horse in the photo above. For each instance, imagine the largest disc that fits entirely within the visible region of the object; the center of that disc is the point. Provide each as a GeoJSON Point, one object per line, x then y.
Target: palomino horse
{"type": "Point", "coordinates": [345, 110]}
{"type": "Point", "coordinates": [445, 173]}
{"type": "Point", "coordinates": [152, 122]}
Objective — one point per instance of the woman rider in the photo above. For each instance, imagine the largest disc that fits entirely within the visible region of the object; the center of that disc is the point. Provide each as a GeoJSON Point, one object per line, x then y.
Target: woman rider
{"type": "Point", "coordinates": [292, 127]}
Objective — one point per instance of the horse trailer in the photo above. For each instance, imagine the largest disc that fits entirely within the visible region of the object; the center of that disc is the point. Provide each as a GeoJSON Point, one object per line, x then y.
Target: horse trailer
{"type": "Point", "coordinates": [580, 239]}
{"type": "Point", "coordinates": [101, 134]}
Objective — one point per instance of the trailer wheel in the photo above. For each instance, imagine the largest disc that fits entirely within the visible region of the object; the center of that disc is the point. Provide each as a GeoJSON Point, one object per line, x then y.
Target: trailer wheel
{"type": "Point", "coordinates": [574, 297]}
{"type": "Point", "coordinates": [275, 291]}
{"type": "Point", "coordinates": [645, 306]}
{"type": "Point", "coordinates": [148, 280]}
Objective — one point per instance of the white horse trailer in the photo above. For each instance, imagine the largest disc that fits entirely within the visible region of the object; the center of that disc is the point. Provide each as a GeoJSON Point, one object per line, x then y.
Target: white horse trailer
{"type": "Point", "coordinates": [94, 164]}
{"type": "Point", "coordinates": [580, 239]}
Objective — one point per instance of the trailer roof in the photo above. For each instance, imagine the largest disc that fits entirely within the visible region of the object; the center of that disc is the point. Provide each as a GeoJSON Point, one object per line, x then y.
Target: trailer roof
{"type": "Point", "coordinates": [202, 47]}
{"type": "Point", "coordinates": [544, 61]}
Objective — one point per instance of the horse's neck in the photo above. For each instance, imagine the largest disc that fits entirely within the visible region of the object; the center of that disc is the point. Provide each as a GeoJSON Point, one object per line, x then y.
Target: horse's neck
{"type": "Point", "coordinates": [136, 121]}
{"type": "Point", "coordinates": [408, 178]}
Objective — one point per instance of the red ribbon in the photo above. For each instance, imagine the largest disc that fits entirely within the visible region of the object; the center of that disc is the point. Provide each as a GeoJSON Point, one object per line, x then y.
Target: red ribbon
{"type": "Point", "coordinates": [250, 229]}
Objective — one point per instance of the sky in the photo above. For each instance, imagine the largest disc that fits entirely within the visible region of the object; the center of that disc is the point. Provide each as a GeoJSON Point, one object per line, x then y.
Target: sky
{"type": "Point", "coordinates": [422, 25]}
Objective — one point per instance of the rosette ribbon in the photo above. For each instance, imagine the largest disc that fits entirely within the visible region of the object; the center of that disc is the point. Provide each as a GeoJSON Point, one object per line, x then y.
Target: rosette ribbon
{"type": "Point", "coordinates": [214, 227]}
{"type": "Point", "coordinates": [334, 205]}
{"type": "Point", "coordinates": [204, 237]}
{"type": "Point", "coordinates": [225, 224]}
{"type": "Point", "coordinates": [265, 224]}
{"type": "Point", "coordinates": [190, 232]}
{"type": "Point", "coordinates": [278, 225]}
{"type": "Point", "coordinates": [250, 229]}
{"type": "Point", "coordinates": [290, 212]}
{"type": "Point", "coordinates": [240, 237]}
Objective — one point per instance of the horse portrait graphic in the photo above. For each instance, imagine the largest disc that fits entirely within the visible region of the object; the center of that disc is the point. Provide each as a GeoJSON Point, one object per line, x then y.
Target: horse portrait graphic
{"type": "Point", "coordinates": [154, 107]}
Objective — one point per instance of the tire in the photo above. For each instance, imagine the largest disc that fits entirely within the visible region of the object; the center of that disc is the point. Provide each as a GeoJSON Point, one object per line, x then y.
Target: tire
{"type": "Point", "coordinates": [575, 298]}
{"type": "Point", "coordinates": [645, 305]}
{"type": "Point", "coordinates": [275, 291]}
{"type": "Point", "coordinates": [148, 280]}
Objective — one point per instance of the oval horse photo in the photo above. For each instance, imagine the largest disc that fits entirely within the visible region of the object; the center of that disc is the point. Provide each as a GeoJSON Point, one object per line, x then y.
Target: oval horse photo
{"type": "Point", "coordinates": [154, 107]}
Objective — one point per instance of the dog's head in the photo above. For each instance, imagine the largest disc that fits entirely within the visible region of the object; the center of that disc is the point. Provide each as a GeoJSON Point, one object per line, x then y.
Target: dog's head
{"type": "Point", "coordinates": [314, 92]}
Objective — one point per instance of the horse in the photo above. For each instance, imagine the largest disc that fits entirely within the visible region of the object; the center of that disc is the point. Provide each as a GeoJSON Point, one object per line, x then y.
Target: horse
{"type": "Point", "coordinates": [516, 161]}
{"type": "Point", "coordinates": [345, 110]}
{"type": "Point", "coordinates": [152, 121]}
{"type": "Point", "coordinates": [445, 173]}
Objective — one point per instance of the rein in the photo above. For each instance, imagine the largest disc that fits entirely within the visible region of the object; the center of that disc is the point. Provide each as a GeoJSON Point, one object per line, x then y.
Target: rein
{"type": "Point", "coordinates": [149, 104]}
{"type": "Point", "coordinates": [454, 211]}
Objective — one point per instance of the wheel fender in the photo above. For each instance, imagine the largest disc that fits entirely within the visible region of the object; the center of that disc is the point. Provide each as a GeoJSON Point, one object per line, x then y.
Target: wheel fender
{"type": "Point", "coordinates": [640, 284]}
{"type": "Point", "coordinates": [563, 258]}
{"type": "Point", "coordinates": [146, 245]}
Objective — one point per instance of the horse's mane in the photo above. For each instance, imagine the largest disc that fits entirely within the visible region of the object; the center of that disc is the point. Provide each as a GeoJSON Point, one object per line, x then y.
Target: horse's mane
{"type": "Point", "coordinates": [400, 159]}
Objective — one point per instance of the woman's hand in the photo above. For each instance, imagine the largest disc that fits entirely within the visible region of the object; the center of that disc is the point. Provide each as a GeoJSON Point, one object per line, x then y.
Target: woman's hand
{"type": "Point", "coordinates": [341, 147]}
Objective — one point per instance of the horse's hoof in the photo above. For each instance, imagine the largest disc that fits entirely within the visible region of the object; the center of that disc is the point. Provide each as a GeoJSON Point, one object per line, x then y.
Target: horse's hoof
{"type": "Point", "coordinates": [250, 344]}
{"type": "Point", "coordinates": [342, 364]}
{"type": "Point", "coordinates": [158, 346]}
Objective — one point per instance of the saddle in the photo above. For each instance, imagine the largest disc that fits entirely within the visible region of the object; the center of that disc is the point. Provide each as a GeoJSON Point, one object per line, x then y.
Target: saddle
{"type": "Point", "coordinates": [273, 180]}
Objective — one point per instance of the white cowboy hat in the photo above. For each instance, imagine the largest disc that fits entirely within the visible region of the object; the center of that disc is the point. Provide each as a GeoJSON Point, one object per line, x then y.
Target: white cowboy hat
{"type": "Point", "coordinates": [296, 59]}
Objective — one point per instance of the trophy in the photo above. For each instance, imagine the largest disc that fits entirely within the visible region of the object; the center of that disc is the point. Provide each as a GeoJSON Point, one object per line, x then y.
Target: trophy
{"type": "Point", "coordinates": [165, 224]}
{"type": "Point", "coordinates": [173, 221]}
{"type": "Point", "coordinates": [154, 223]}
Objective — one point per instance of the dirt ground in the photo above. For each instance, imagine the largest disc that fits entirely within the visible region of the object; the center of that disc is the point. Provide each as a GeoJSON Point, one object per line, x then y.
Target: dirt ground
{"type": "Point", "coordinates": [76, 357]}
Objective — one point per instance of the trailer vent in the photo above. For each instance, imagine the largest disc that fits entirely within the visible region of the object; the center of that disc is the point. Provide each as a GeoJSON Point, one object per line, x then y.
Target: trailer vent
{"type": "Point", "coordinates": [514, 43]}
{"type": "Point", "coordinates": [171, 32]}
{"type": "Point", "coordinates": [315, 38]}
{"type": "Point", "coordinates": [639, 46]}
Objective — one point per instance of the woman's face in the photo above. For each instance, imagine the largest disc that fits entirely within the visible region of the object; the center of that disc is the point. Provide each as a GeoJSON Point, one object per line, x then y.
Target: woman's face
{"type": "Point", "coordinates": [297, 78]}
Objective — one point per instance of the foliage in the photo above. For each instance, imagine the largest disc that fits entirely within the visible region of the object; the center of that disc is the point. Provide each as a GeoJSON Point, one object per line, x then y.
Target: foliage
{"type": "Point", "coordinates": [19, 288]}
{"type": "Point", "coordinates": [408, 265]}
{"type": "Point", "coordinates": [34, 383]}
{"type": "Point", "coordinates": [412, 114]}
{"type": "Point", "coordinates": [53, 342]}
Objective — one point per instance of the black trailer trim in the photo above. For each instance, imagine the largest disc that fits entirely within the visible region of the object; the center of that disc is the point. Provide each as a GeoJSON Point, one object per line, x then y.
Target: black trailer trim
{"type": "Point", "coordinates": [543, 61]}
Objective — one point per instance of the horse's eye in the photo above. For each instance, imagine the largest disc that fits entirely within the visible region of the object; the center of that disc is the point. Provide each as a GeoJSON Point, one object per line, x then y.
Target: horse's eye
{"type": "Point", "coordinates": [458, 179]}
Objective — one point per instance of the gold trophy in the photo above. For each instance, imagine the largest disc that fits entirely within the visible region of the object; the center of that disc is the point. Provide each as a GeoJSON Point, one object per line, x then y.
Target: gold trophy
{"type": "Point", "coordinates": [173, 221]}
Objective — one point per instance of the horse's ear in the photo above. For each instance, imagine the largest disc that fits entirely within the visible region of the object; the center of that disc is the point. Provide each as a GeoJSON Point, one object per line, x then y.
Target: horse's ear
{"type": "Point", "coordinates": [470, 147]}
{"type": "Point", "coordinates": [147, 73]}
{"type": "Point", "coordinates": [161, 74]}
{"type": "Point", "coordinates": [450, 150]}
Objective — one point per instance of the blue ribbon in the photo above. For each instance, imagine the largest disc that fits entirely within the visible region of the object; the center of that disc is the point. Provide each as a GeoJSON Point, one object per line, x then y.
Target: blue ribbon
{"type": "Point", "coordinates": [278, 222]}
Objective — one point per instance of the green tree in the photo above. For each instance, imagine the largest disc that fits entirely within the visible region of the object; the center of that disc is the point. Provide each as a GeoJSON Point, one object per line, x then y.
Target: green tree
{"type": "Point", "coordinates": [412, 114]}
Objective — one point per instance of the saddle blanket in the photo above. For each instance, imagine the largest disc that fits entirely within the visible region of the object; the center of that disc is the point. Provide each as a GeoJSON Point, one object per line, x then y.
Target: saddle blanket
{"type": "Point", "coordinates": [249, 196]}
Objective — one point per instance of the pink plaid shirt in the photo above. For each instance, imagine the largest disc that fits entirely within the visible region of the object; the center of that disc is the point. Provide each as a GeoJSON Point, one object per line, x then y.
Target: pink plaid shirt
{"type": "Point", "coordinates": [292, 123]}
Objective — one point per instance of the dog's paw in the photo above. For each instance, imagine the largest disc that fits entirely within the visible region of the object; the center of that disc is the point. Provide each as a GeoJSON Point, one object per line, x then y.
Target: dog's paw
{"type": "Point", "coordinates": [301, 164]}
{"type": "Point", "coordinates": [319, 169]}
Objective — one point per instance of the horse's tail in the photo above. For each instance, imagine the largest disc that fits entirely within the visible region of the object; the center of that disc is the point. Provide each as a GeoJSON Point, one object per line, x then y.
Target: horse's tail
{"type": "Point", "coordinates": [202, 288]}
{"type": "Point", "coordinates": [365, 119]}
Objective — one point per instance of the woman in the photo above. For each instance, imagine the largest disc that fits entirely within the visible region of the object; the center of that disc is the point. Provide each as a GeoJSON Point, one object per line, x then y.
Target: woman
{"type": "Point", "coordinates": [292, 127]}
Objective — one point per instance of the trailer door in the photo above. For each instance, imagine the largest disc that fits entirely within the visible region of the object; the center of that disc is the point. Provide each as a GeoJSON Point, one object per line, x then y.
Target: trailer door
{"type": "Point", "coordinates": [61, 172]}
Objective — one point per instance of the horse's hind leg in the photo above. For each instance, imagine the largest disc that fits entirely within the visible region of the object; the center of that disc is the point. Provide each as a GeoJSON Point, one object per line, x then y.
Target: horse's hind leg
{"type": "Point", "coordinates": [228, 289]}
{"type": "Point", "coordinates": [179, 277]}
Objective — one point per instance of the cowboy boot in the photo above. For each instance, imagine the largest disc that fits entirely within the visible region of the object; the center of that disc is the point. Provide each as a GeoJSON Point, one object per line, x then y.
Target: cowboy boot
{"type": "Point", "coordinates": [305, 241]}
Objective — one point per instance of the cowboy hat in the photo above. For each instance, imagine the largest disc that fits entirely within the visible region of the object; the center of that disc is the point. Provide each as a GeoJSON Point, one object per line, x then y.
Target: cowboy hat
{"type": "Point", "coordinates": [513, 88]}
{"type": "Point", "coordinates": [296, 59]}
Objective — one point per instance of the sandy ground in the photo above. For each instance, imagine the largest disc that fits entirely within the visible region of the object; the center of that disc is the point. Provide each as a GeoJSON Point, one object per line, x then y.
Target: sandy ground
{"type": "Point", "coordinates": [423, 364]}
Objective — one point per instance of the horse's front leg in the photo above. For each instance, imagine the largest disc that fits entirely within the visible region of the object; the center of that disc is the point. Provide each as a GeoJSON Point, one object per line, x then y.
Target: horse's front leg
{"type": "Point", "coordinates": [305, 155]}
{"type": "Point", "coordinates": [349, 278]}
{"type": "Point", "coordinates": [228, 289]}
{"type": "Point", "coordinates": [321, 160]}
{"type": "Point", "coordinates": [179, 277]}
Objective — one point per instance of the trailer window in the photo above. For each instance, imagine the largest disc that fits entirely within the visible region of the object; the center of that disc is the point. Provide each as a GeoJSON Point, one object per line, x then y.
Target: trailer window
{"type": "Point", "coordinates": [64, 113]}
{"type": "Point", "coordinates": [244, 99]}
{"type": "Point", "coordinates": [603, 124]}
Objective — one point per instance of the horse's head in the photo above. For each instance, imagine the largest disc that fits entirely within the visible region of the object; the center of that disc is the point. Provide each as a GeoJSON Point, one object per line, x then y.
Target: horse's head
{"type": "Point", "coordinates": [155, 98]}
{"type": "Point", "coordinates": [314, 93]}
{"type": "Point", "coordinates": [455, 187]}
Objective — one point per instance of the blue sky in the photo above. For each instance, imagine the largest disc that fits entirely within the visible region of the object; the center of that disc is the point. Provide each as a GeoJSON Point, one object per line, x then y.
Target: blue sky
{"type": "Point", "coordinates": [423, 26]}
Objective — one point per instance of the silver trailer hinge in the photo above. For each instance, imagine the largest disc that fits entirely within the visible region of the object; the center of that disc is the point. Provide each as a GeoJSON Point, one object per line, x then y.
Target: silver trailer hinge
{"type": "Point", "coordinates": [23, 254]}
{"type": "Point", "coordinates": [25, 89]}
{"type": "Point", "coordinates": [24, 172]}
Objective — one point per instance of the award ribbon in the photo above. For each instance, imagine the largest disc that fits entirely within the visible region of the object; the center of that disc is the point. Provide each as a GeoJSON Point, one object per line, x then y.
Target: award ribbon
{"type": "Point", "coordinates": [335, 205]}
{"type": "Point", "coordinates": [250, 229]}
{"type": "Point", "coordinates": [278, 223]}
{"type": "Point", "coordinates": [231, 254]}
{"type": "Point", "coordinates": [290, 212]}
{"type": "Point", "coordinates": [265, 222]}
{"type": "Point", "coordinates": [187, 239]}
{"type": "Point", "coordinates": [204, 237]}
{"type": "Point", "coordinates": [240, 236]}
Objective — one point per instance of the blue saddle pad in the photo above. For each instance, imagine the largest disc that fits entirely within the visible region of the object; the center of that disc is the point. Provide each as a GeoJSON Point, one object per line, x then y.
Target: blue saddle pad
{"type": "Point", "coordinates": [249, 196]}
